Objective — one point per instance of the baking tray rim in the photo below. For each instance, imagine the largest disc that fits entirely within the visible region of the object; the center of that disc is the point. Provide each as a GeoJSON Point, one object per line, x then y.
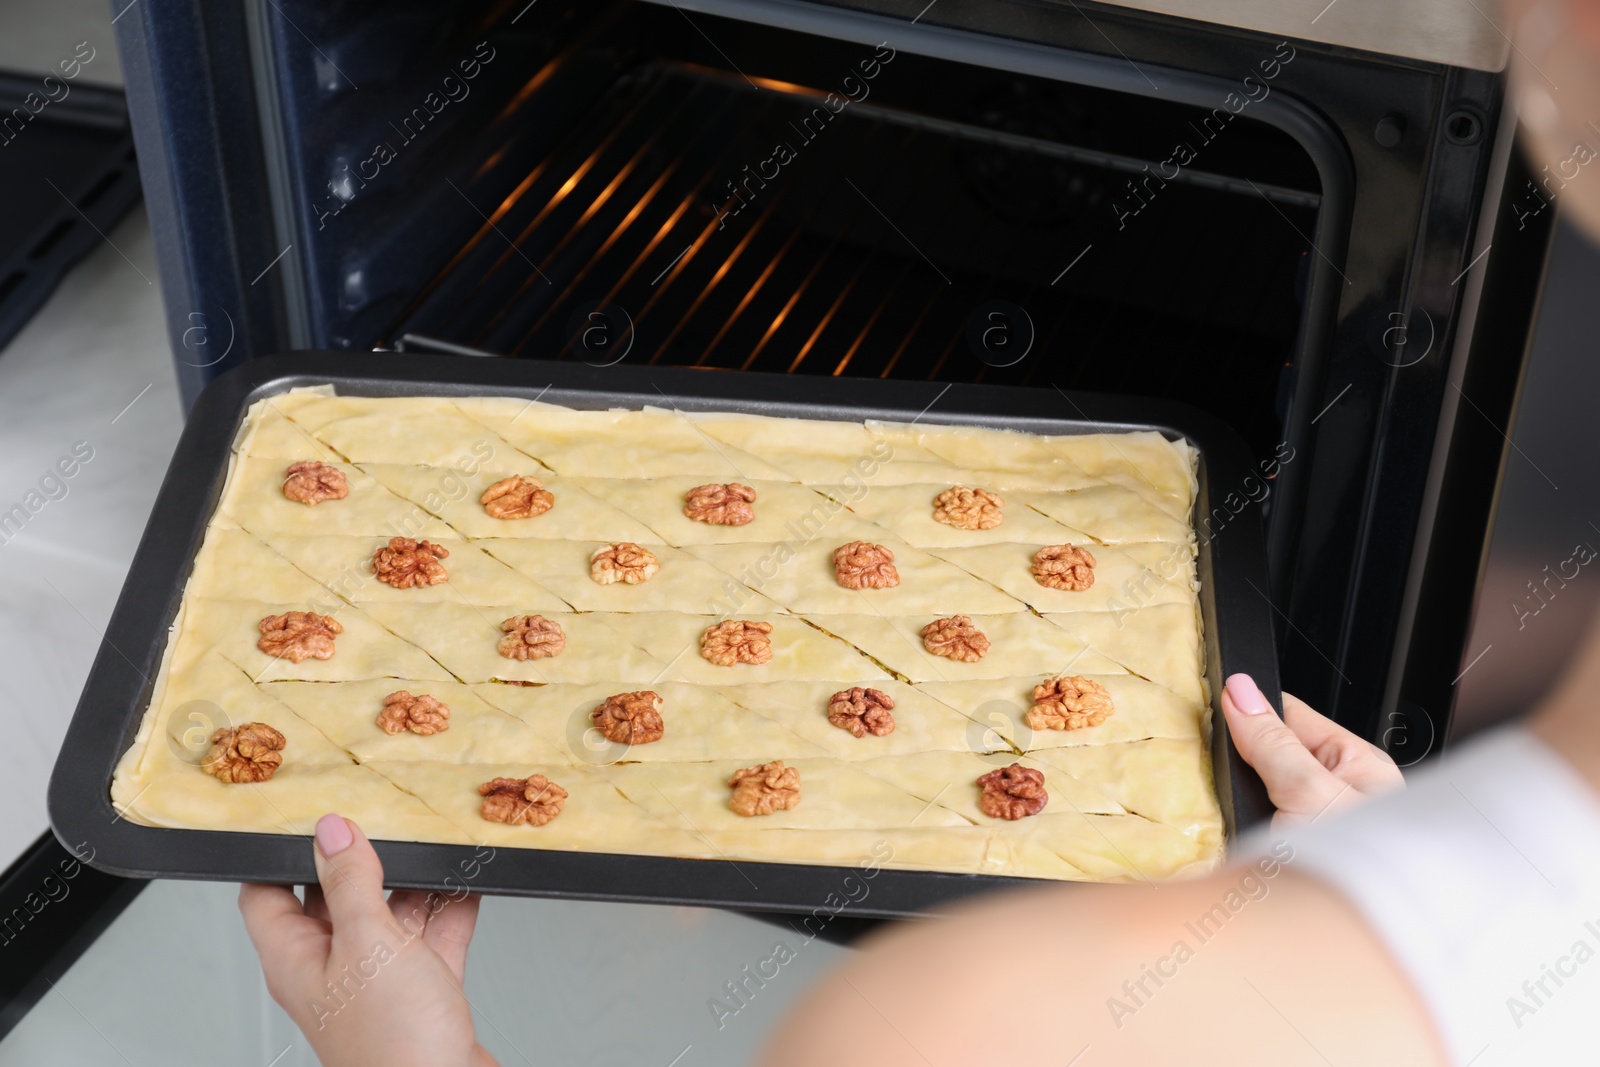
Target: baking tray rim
{"type": "Point", "coordinates": [117, 692]}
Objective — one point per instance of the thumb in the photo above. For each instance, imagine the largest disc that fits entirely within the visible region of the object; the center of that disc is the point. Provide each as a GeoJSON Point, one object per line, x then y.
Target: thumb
{"type": "Point", "coordinates": [351, 876]}
{"type": "Point", "coordinates": [1297, 783]}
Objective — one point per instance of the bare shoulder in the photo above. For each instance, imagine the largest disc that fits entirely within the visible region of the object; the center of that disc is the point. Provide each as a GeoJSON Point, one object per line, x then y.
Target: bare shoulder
{"type": "Point", "coordinates": [1240, 967]}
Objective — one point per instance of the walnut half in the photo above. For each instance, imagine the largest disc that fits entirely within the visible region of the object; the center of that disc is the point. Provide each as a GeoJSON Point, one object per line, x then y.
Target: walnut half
{"type": "Point", "coordinates": [955, 638]}
{"type": "Point", "coordinates": [864, 565]}
{"type": "Point", "coordinates": [534, 800]}
{"type": "Point", "coordinates": [517, 497]}
{"type": "Point", "coordinates": [862, 711]}
{"type": "Point", "coordinates": [252, 752]}
{"type": "Point", "coordinates": [1012, 792]}
{"type": "Point", "coordinates": [734, 641]}
{"type": "Point", "coordinates": [310, 482]}
{"type": "Point", "coordinates": [764, 789]}
{"type": "Point", "coordinates": [298, 635]}
{"type": "Point", "coordinates": [968, 509]}
{"type": "Point", "coordinates": [630, 718]}
{"type": "Point", "coordinates": [531, 637]}
{"type": "Point", "coordinates": [1064, 567]}
{"type": "Point", "coordinates": [1069, 704]}
{"type": "Point", "coordinates": [421, 715]}
{"type": "Point", "coordinates": [623, 562]}
{"type": "Point", "coordinates": [721, 505]}
{"type": "Point", "coordinates": [404, 563]}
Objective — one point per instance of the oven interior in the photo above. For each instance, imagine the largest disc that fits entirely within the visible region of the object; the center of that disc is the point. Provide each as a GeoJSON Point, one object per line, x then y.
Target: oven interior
{"type": "Point", "coordinates": [610, 185]}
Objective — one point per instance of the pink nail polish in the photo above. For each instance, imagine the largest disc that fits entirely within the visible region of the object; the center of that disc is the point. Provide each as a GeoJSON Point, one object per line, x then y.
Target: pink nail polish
{"type": "Point", "coordinates": [1247, 697]}
{"type": "Point", "coordinates": [333, 835]}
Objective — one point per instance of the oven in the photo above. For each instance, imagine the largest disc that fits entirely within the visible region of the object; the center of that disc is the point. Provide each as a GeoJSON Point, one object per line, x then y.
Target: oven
{"type": "Point", "coordinates": [1056, 195]}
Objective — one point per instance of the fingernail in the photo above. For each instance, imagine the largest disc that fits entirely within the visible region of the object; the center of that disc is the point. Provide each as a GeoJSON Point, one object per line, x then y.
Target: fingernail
{"type": "Point", "coordinates": [1247, 697]}
{"type": "Point", "coordinates": [334, 836]}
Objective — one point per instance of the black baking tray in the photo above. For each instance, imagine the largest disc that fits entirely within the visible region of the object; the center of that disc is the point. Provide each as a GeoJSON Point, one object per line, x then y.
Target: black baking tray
{"type": "Point", "coordinates": [1236, 615]}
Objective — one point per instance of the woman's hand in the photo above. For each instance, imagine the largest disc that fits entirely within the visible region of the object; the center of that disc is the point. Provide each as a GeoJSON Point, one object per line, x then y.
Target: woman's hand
{"type": "Point", "coordinates": [1309, 763]}
{"type": "Point", "coordinates": [367, 981]}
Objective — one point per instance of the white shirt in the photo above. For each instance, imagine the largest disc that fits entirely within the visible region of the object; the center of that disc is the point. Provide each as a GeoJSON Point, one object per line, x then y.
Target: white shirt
{"type": "Point", "coordinates": [1483, 879]}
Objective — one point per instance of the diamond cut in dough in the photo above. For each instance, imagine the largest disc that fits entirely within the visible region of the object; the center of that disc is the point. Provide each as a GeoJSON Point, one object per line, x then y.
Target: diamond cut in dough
{"type": "Point", "coordinates": [159, 781]}
{"type": "Point", "coordinates": [1160, 470]}
{"type": "Point", "coordinates": [1011, 854]}
{"type": "Point", "coordinates": [235, 564]}
{"type": "Point", "coordinates": [833, 796]}
{"type": "Point", "coordinates": [454, 497]}
{"type": "Point", "coordinates": [817, 452]}
{"type": "Point", "coordinates": [364, 650]}
{"type": "Point", "coordinates": [594, 818]}
{"type": "Point", "coordinates": [683, 584]}
{"type": "Point", "coordinates": [1161, 643]}
{"type": "Point", "coordinates": [410, 430]}
{"type": "Point", "coordinates": [701, 724]}
{"type": "Point", "coordinates": [465, 638]}
{"type": "Point", "coordinates": [650, 443]}
{"type": "Point", "coordinates": [290, 802]}
{"type": "Point", "coordinates": [1142, 709]}
{"type": "Point", "coordinates": [213, 693]}
{"type": "Point", "coordinates": [802, 578]}
{"type": "Point", "coordinates": [1020, 643]}
{"type": "Point", "coordinates": [1125, 576]}
{"type": "Point", "coordinates": [1112, 514]}
{"type": "Point", "coordinates": [344, 566]}
{"type": "Point", "coordinates": [1116, 848]}
{"type": "Point", "coordinates": [948, 780]}
{"type": "Point", "coordinates": [784, 511]}
{"type": "Point", "coordinates": [921, 723]}
{"type": "Point", "coordinates": [479, 732]}
{"type": "Point", "coordinates": [1164, 780]}
{"type": "Point", "coordinates": [269, 430]}
{"type": "Point", "coordinates": [906, 511]}
{"type": "Point", "coordinates": [254, 500]}
{"type": "Point", "coordinates": [1003, 450]}
{"type": "Point", "coordinates": [799, 651]}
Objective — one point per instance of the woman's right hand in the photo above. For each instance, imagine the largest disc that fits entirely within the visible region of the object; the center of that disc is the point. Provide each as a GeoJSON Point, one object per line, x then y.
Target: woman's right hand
{"type": "Point", "coordinates": [1310, 764]}
{"type": "Point", "coordinates": [367, 980]}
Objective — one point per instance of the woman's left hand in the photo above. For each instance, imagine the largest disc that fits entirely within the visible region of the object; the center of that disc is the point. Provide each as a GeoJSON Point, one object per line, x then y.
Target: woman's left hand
{"type": "Point", "coordinates": [1310, 763]}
